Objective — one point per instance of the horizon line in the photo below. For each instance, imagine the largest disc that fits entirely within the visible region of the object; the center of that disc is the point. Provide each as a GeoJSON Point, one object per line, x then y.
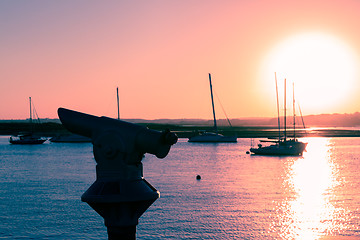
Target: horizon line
{"type": "Point", "coordinates": [199, 119]}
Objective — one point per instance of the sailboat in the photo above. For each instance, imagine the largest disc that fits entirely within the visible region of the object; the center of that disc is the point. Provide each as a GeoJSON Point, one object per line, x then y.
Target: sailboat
{"type": "Point", "coordinates": [28, 138]}
{"type": "Point", "coordinates": [75, 138]}
{"type": "Point", "coordinates": [70, 138]}
{"type": "Point", "coordinates": [212, 136]}
{"type": "Point", "coordinates": [282, 146]}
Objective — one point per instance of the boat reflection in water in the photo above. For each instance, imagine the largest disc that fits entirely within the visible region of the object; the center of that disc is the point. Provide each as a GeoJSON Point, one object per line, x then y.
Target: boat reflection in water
{"type": "Point", "coordinates": [309, 212]}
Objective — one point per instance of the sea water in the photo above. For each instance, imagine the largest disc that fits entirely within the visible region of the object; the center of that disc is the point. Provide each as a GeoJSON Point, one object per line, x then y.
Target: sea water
{"type": "Point", "coordinates": [239, 196]}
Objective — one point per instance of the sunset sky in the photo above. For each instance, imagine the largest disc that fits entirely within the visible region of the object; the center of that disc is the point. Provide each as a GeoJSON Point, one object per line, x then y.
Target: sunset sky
{"type": "Point", "coordinates": [74, 54]}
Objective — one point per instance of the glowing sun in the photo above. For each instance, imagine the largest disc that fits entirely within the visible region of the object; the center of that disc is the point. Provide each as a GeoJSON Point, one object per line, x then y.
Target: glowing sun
{"type": "Point", "coordinates": [323, 69]}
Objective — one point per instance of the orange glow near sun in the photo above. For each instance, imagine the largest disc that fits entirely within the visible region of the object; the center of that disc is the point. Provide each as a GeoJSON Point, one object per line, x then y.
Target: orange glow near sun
{"type": "Point", "coordinates": [323, 69]}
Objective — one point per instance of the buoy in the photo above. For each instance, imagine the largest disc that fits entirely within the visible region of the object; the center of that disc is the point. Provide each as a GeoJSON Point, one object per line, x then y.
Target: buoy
{"type": "Point", "coordinates": [198, 177]}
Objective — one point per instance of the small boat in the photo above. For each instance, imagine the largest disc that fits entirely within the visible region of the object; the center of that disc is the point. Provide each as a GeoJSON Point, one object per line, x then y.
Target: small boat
{"type": "Point", "coordinates": [75, 138]}
{"type": "Point", "coordinates": [70, 138]}
{"type": "Point", "coordinates": [28, 138]}
{"type": "Point", "coordinates": [282, 146]}
{"type": "Point", "coordinates": [212, 137]}
{"type": "Point", "coordinates": [287, 147]}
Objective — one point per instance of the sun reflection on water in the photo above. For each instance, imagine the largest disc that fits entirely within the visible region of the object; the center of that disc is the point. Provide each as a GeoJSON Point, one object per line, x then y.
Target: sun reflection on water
{"type": "Point", "coordinates": [307, 211]}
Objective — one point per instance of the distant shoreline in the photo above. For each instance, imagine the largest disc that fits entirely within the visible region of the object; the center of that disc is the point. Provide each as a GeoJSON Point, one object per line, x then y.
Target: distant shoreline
{"type": "Point", "coordinates": [50, 129]}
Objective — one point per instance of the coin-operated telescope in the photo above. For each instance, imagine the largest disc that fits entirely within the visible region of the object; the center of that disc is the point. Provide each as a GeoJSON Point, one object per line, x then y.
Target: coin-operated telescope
{"type": "Point", "coordinates": [120, 194]}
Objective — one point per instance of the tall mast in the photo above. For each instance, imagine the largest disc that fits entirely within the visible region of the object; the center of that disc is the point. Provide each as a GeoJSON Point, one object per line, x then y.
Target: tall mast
{"type": "Point", "coordinates": [294, 108]}
{"type": "Point", "coordinates": [30, 115]}
{"type": "Point", "coordinates": [118, 109]}
{"type": "Point", "coordinates": [285, 110]}
{"type": "Point", "coordinates": [277, 100]}
{"type": "Point", "coordinates": [212, 102]}
{"type": "Point", "coordinates": [30, 111]}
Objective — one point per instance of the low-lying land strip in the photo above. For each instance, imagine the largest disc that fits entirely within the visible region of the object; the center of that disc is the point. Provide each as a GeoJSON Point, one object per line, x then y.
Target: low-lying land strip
{"type": "Point", "coordinates": [50, 129]}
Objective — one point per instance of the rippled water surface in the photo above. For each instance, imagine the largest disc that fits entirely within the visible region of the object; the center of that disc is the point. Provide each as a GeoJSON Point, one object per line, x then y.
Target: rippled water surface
{"type": "Point", "coordinates": [240, 196]}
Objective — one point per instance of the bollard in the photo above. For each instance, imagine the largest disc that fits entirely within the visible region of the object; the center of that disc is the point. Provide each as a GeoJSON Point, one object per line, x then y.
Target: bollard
{"type": "Point", "coordinates": [120, 193]}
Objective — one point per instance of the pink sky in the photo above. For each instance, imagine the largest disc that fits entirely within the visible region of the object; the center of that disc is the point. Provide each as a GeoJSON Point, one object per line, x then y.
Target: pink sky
{"type": "Point", "coordinates": [74, 54]}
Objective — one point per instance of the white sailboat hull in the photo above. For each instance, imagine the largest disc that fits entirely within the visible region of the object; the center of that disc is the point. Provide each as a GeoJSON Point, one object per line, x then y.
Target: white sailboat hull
{"type": "Point", "coordinates": [212, 137]}
{"type": "Point", "coordinates": [288, 148]}
{"type": "Point", "coordinates": [73, 138]}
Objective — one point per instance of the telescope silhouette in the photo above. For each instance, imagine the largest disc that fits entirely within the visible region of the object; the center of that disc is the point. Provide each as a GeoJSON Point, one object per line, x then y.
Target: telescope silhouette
{"type": "Point", "coordinates": [120, 193]}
